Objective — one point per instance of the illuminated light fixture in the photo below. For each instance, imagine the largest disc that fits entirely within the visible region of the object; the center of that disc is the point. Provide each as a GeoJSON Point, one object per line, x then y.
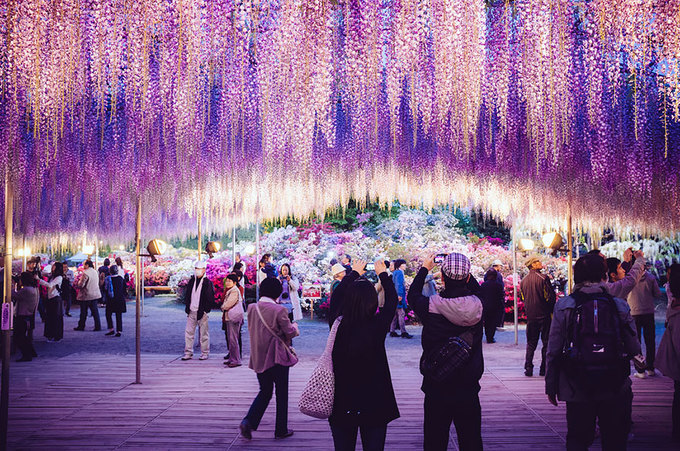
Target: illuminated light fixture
{"type": "Point", "coordinates": [88, 249]}
{"type": "Point", "coordinates": [249, 249]}
{"type": "Point", "coordinates": [155, 247]}
{"type": "Point", "coordinates": [211, 247]}
{"type": "Point", "coordinates": [553, 240]}
{"type": "Point", "coordinates": [121, 247]}
{"type": "Point", "coordinates": [526, 244]}
{"type": "Point", "coordinates": [24, 252]}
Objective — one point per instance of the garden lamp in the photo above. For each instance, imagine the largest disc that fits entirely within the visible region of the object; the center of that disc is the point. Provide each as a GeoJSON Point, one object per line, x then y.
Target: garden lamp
{"type": "Point", "coordinates": [553, 240]}
{"type": "Point", "coordinates": [211, 247]}
{"type": "Point", "coordinates": [526, 244]}
{"type": "Point", "coordinates": [155, 247]}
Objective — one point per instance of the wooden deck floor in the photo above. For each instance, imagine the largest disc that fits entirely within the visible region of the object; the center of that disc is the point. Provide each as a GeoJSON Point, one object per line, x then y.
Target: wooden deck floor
{"type": "Point", "coordinates": [87, 401]}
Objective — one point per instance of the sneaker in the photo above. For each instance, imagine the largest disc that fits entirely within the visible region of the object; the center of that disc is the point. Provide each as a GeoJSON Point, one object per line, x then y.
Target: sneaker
{"type": "Point", "coordinates": [117, 334]}
{"type": "Point", "coordinates": [203, 357]}
{"type": "Point", "coordinates": [406, 335]}
{"type": "Point", "coordinates": [245, 429]}
{"type": "Point", "coordinates": [187, 357]}
{"type": "Point", "coordinates": [110, 332]}
{"type": "Point", "coordinates": [640, 375]}
{"type": "Point", "coordinates": [288, 433]}
{"type": "Point", "coordinates": [394, 334]}
{"type": "Point", "coordinates": [650, 373]}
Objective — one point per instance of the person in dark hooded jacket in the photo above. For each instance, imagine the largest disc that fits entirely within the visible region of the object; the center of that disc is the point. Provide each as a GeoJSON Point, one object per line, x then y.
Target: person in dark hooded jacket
{"type": "Point", "coordinates": [453, 312]}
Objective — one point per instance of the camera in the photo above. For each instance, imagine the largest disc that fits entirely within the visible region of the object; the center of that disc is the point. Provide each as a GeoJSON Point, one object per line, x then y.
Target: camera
{"type": "Point", "coordinates": [439, 258]}
{"type": "Point", "coordinates": [285, 295]}
{"type": "Point", "coordinates": [370, 266]}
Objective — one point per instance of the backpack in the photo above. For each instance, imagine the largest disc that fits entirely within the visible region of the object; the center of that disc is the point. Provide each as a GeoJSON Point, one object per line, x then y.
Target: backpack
{"type": "Point", "coordinates": [594, 356]}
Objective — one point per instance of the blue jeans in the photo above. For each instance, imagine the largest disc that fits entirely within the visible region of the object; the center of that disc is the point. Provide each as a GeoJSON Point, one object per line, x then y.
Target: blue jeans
{"type": "Point", "coordinates": [92, 305]}
{"type": "Point", "coordinates": [276, 375]}
{"type": "Point", "coordinates": [372, 437]}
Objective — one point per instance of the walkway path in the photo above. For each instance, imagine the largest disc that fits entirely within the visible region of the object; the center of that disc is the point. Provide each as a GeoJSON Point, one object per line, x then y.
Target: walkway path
{"type": "Point", "coordinates": [85, 400]}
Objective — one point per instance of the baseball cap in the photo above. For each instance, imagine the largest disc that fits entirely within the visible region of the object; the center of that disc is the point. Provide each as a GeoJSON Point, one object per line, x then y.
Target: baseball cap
{"type": "Point", "coordinates": [456, 266]}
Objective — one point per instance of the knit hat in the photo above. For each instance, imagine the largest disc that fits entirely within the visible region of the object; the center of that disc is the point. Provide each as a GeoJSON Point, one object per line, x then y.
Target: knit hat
{"type": "Point", "coordinates": [531, 261]}
{"type": "Point", "coordinates": [456, 266]}
{"type": "Point", "coordinates": [337, 269]}
{"type": "Point", "coordinates": [200, 264]}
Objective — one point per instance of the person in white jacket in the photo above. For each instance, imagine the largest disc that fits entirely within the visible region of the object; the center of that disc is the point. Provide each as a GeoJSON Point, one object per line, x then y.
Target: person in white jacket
{"type": "Point", "coordinates": [289, 296]}
{"type": "Point", "coordinates": [88, 296]}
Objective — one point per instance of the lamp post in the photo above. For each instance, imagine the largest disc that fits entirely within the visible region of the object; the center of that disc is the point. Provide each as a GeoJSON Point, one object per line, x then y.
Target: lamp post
{"type": "Point", "coordinates": [257, 259]}
{"type": "Point", "coordinates": [513, 232]}
{"type": "Point", "coordinates": [138, 294]}
{"type": "Point", "coordinates": [6, 310]}
{"type": "Point", "coordinates": [200, 248]}
{"type": "Point", "coordinates": [570, 248]}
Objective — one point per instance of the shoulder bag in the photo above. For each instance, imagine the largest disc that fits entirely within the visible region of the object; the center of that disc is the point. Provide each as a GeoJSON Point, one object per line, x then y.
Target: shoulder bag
{"type": "Point", "coordinates": [444, 361]}
{"type": "Point", "coordinates": [317, 397]}
{"type": "Point", "coordinates": [289, 349]}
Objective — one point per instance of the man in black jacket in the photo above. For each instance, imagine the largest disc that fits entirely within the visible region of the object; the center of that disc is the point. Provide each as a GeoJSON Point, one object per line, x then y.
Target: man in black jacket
{"type": "Point", "coordinates": [454, 312]}
{"type": "Point", "coordinates": [199, 298]}
{"type": "Point", "coordinates": [539, 301]}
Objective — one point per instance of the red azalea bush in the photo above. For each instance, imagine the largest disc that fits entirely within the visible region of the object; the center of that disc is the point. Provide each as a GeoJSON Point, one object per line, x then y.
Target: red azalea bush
{"type": "Point", "coordinates": [510, 300]}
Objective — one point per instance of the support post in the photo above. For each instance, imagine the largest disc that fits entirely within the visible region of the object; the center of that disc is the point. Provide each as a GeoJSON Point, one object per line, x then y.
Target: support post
{"type": "Point", "coordinates": [233, 247]}
{"type": "Point", "coordinates": [199, 237]}
{"type": "Point", "coordinates": [6, 309]}
{"type": "Point", "coordinates": [570, 252]}
{"type": "Point", "coordinates": [257, 259]}
{"type": "Point", "coordinates": [138, 294]}
{"type": "Point", "coordinates": [23, 251]}
{"type": "Point", "coordinates": [514, 281]}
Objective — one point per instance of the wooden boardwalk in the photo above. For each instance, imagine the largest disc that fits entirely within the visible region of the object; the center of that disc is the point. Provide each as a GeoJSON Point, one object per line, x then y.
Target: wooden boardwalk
{"type": "Point", "coordinates": [87, 401]}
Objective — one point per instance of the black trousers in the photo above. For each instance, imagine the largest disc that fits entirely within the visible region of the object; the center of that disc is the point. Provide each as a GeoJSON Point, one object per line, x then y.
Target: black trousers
{"type": "Point", "coordinates": [463, 410]}
{"type": "Point", "coordinates": [23, 338]}
{"type": "Point", "coordinates": [54, 318]}
{"type": "Point", "coordinates": [645, 327]}
{"type": "Point", "coordinates": [372, 437]}
{"type": "Point", "coordinates": [537, 329]}
{"type": "Point", "coordinates": [490, 318]}
{"type": "Point", "coordinates": [612, 417]}
{"type": "Point", "coordinates": [274, 376]}
{"type": "Point", "coordinates": [92, 305]}
{"type": "Point", "coordinates": [109, 320]}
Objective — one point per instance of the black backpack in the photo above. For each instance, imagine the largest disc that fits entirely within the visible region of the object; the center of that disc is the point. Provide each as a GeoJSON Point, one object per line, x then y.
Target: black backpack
{"type": "Point", "coordinates": [594, 356]}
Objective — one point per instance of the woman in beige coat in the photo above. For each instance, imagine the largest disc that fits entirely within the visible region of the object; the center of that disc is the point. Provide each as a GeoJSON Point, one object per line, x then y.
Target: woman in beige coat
{"type": "Point", "coordinates": [232, 319]}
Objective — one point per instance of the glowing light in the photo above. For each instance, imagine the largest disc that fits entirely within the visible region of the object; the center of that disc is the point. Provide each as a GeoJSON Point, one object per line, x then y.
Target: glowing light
{"type": "Point", "coordinates": [526, 244]}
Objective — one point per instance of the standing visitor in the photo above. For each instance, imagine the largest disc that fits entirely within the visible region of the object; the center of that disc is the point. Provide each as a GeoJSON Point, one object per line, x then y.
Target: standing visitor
{"type": "Point", "coordinates": [121, 271]}
{"type": "Point", "coordinates": [54, 306]}
{"type": "Point", "coordinates": [668, 355]}
{"type": "Point", "coordinates": [266, 269]}
{"type": "Point", "coordinates": [621, 287]}
{"type": "Point", "coordinates": [26, 302]}
{"type": "Point", "coordinates": [68, 294]}
{"type": "Point", "coordinates": [364, 397]}
{"type": "Point", "coordinates": [455, 312]}
{"type": "Point", "coordinates": [240, 269]}
{"type": "Point", "coordinates": [104, 272]}
{"type": "Point", "coordinates": [346, 262]}
{"type": "Point", "coordinates": [271, 357]}
{"type": "Point", "coordinates": [539, 300]}
{"type": "Point", "coordinates": [232, 320]}
{"type": "Point", "coordinates": [89, 296]}
{"type": "Point", "coordinates": [492, 295]}
{"type": "Point", "coordinates": [289, 295]}
{"type": "Point", "coordinates": [238, 260]}
{"type": "Point", "coordinates": [592, 339]}
{"type": "Point", "coordinates": [400, 315]}
{"type": "Point", "coordinates": [115, 302]}
{"type": "Point", "coordinates": [641, 302]}
{"type": "Point", "coordinates": [199, 297]}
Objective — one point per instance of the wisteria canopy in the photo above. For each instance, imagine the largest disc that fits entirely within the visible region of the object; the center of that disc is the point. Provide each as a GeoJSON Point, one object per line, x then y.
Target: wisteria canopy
{"type": "Point", "coordinates": [241, 109]}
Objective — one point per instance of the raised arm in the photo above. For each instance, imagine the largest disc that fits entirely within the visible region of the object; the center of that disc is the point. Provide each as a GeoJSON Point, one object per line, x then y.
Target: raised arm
{"type": "Point", "coordinates": [386, 313]}
{"type": "Point", "coordinates": [416, 301]}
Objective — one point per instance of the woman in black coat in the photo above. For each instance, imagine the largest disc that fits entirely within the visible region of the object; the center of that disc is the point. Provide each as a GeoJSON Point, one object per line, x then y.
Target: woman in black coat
{"type": "Point", "coordinates": [492, 295]}
{"type": "Point", "coordinates": [115, 286]}
{"type": "Point", "coordinates": [364, 398]}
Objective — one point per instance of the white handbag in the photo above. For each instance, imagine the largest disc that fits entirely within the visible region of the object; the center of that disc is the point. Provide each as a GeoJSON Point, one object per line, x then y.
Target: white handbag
{"type": "Point", "coordinates": [317, 397]}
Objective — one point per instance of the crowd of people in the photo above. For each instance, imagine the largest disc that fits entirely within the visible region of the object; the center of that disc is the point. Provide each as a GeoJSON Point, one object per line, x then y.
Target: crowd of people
{"type": "Point", "coordinates": [589, 337]}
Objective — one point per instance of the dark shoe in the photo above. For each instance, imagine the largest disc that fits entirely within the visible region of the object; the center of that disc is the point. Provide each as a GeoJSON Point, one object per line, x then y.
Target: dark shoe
{"type": "Point", "coordinates": [393, 334]}
{"type": "Point", "coordinates": [97, 329]}
{"type": "Point", "coordinates": [288, 433]}
{"type": "Point", "coordinates": [245, 429]}
{"type": "Point", "coordinates": [24, 359]}
{"type": "Point", "coordinates": [110, 332]}
{"type": "Point", "coordinates": [34, 354]}
{"type": "Point", "coordinates": [493, 340]}
{"type": "Point", "coordinates": [528, 373]}
{"type": "Point", "coordinates": [226, 357]}
{"type": "Point", "coordinates": [541, 372]}
{"type": "Point", "coordinates": [117, 334]}
{"type": "Point", "coordinates": [79, 328]}
{"type": "Point", "coordinates": [232, 365]}
{"type": "Point", "coordinates": [68, 314]}
{"type": "Point", "coordinates": [406, 335]}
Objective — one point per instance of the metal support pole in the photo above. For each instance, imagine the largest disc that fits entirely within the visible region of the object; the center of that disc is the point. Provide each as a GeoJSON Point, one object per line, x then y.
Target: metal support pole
{"type": "Point", "coordinates": [6, 309]}
{"type": "Point", "coordinates": [199, 236]}
{"type": "Point", "coordinates": [570, 252]}
{"type": "Point", "coordinates": [138, 294]}
{"type": "Point", "coordinates": [257, 259]}
{"type": "Point", "coordinates": [23, 251]}
{"type": "Point", "coordinates": [515, 275]}
{"type": "Point", "coordinates": [233, 247]}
